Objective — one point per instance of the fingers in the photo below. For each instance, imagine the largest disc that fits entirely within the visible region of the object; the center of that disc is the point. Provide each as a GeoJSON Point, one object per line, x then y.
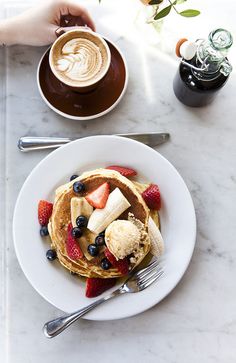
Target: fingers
{"type": "Point", "coordinates": [62, 30]}
{"type": "Point", "coordinates": [77, 10]}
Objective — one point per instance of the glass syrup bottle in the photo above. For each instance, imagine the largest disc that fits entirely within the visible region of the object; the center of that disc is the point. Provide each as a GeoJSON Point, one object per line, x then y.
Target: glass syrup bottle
{"type": "Point", "coordinates": [198, 80]}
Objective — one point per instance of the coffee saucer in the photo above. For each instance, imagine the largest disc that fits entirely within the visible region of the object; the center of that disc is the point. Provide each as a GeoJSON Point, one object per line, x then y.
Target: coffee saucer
{"type": "Point", "coordinates": [78, 106]}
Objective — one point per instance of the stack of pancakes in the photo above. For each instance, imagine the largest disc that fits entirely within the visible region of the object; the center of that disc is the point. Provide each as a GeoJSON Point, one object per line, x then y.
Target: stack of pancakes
{"type": "Point", "coordinates": [61, 217]}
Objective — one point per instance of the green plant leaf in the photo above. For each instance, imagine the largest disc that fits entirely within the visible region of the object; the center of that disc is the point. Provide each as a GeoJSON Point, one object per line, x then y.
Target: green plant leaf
{"type": "Point", "coordinates": [164, 12]}
{"type": "Point", "coordinates": [189, 13]}
{"type": "Point", "coordinates": [177, 2]}
{"type": "Point", "coordinates": [180, 2]}
{"type": "Point", "coordinates": [155, 2]}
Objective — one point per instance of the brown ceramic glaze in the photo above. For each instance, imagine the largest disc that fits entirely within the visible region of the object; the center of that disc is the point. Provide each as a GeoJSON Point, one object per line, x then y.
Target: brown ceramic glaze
{"type": "Point", "coordinates": [86, 104]}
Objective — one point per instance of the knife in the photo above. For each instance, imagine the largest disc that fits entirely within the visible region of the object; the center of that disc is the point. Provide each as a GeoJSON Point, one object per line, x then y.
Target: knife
{"type": "Point", "coordinates": [29, 143]}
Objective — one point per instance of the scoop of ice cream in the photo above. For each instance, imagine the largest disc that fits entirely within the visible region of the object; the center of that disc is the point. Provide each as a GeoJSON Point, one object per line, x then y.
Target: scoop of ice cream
{"type": "Point", "coordinates": [122, 238]}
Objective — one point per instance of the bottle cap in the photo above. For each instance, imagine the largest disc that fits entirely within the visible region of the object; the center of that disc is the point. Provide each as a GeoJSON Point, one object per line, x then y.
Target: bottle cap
{"type": "Point", "coordinates": [188, 50]}
{"type": "Point", "coordinates": [178, 45]}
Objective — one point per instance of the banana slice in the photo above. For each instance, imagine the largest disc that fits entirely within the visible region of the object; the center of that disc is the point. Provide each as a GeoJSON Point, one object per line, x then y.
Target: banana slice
{"type": "Point", "coordinates": [79, 207]}
{"type": "Point", "coordinates": [101, 218]}
{"type": "Point", "coordinates": [157, 243]}
{"type": "Point", "coordinates": [86, 240]}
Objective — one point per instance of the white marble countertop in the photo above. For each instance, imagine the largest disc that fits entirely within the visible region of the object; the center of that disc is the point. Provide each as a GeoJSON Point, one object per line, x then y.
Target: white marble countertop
{"type": "Point", "coordinates": [197, 321]}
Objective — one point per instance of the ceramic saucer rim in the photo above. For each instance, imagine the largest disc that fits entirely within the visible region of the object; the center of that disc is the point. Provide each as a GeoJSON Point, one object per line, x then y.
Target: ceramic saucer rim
{"type": "Point", "coordinates": [94, 116]}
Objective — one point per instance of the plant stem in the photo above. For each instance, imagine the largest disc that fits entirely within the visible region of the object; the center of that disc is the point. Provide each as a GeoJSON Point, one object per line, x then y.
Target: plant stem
{"type": "Point", "coordinates": [173, 6]}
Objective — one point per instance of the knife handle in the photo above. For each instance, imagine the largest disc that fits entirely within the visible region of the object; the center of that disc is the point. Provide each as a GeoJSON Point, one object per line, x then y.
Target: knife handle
{"type": "Point", "coordinates": [28, 143]}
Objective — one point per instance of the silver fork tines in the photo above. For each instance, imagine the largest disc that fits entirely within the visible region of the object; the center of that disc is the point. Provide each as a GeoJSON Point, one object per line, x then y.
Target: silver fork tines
{"type": "Point", "coordinates": [142, 279]}
{"type": "Point", "coordinates": [149, 279]}
{"type": "Point", "coordinates": [147, 269]}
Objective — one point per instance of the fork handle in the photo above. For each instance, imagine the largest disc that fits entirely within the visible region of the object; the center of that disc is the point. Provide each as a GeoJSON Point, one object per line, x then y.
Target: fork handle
{"type": "Point", "coordinates": [56, 326]}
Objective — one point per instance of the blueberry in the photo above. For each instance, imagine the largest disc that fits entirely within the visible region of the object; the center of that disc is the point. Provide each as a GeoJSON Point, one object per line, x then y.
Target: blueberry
{"type": "Point", "coordinates": [93, 250]}
{"type": "Point", "coordinates": [81, 221]}
{"type": "Point", "coordinates": [78, 187]}
{"type": "Point", "coordinates": [73, 177]}
{"type": "Point", "coordinates": [102, 234]}
{"type": "Point", "coordinates": [44, 231]}
{"type": "Point", "coordinates": [105, 264]}
{"type": "Point", "coordinates": [76, 232]}
{"type": "Point", "coordinates": [51, 255]}
{"type": "Point", "coordinates": [99, 241]}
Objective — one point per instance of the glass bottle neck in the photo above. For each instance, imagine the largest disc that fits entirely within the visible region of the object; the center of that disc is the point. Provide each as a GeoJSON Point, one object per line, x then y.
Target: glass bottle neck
{"type": "Point", "coordinates": [210, 60]}
{"type": "Point", "coordinates": [203, 71]}
{"type": "Point", "coordinates": [212, 53]}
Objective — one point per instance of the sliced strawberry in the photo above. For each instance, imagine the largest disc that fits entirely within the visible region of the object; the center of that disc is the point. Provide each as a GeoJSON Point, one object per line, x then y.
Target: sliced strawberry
{"type": "Point", "coordinates": [98, 197]}
{"type": "Point", "coordinates": [121, 265]}
{"type": "Point", "coordinates": [110, 257]}
{"type": "Point", "coordinates": [152, 197]}
{"type": "Point", "coordinates": [122, 170]}
{"type": "Point", "coordinates": [44, 212]}
{"type": "Point", "coordinates": [72, 247]}
{"type": "Point", "coordinates": [96, 286]}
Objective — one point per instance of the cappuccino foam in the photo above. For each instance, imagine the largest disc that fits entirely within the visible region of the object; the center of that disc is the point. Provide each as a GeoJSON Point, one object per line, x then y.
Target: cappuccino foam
{"type": "Point", "coordinates": [80, 60]}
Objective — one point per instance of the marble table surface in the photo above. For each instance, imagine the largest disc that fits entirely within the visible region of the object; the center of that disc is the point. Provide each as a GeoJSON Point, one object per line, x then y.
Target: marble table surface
{"type": "Point", "coordinates": [197, 321]}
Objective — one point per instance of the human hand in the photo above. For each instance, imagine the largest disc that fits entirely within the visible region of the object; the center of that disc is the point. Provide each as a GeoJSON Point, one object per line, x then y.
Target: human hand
{"type": "Point", "coordinates": [37, 26]}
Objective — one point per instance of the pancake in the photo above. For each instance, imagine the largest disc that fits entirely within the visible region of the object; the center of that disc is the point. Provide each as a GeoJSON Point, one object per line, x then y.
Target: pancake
{"type": "Point", "coordinates": [61, 217]}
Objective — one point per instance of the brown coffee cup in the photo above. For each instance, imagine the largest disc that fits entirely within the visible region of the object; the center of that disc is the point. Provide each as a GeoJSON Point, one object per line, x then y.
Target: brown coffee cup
{"type": "Point", "coordinates": [80, 59]}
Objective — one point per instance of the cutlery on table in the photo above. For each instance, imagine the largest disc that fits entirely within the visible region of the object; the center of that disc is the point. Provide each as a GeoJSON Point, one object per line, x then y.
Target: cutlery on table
{"type": "Point", "coordinates": [137, 281]}
{"type": "Point", "coordinates": [29, 143]}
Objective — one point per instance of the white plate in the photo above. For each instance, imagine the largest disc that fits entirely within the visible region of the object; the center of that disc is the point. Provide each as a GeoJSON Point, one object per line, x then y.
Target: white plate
{"type": "Point", "coordinates": [178, 222]}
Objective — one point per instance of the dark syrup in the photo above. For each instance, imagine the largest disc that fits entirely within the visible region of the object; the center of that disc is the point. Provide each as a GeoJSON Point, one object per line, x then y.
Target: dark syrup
{"type": "Point", "coordinates": [193, 91]}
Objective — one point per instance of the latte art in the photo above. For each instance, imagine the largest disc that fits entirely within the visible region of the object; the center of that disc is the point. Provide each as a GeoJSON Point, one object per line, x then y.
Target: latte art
{"type": "Point", "coordinates": [81, 60]}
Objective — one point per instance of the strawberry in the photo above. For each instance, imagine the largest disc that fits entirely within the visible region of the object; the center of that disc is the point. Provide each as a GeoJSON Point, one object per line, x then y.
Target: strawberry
{"type": "Point", "coordinates": [122, 170]}
{"type": "Point", "coordinates": [96, 286]}
{"type": "Point", "coordinates": [121, 265]}
{"type": "Point", "coordinates": [152, 197]}
{"type": "Point", "coordinates": [98, 197]}
{"type": "Point", "coordinates": [110, 257]}
{"type": "Point", "coordinates": [44, 212]}
{"type": "Point", "coordinates": [72, 248]}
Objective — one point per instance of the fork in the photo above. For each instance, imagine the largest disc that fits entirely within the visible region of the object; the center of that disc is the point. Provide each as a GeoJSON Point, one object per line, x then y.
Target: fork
{"type": "Point", "coordinates": [137, 281]}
